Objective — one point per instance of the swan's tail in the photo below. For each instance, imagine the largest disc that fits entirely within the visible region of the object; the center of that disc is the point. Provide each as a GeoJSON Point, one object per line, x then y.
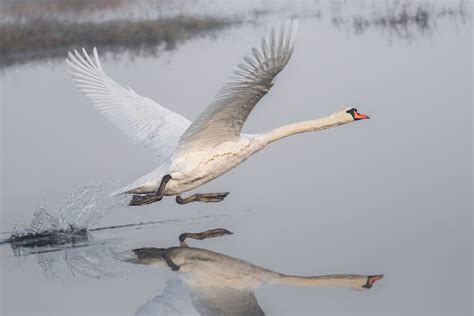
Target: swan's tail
{"type": "Point", "coordinates": [146, 184]}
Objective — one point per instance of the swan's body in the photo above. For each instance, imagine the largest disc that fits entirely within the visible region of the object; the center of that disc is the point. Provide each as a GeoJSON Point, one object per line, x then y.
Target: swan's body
{"type": "Point", "coordinates": [194, 169]}
{"type": "Point", "coordinates": [191, 154]}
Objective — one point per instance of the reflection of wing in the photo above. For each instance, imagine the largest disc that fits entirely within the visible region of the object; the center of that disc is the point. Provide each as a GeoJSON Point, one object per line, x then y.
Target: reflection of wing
{"type": "Point", "coordinates": [225, 301]}
{"type": "Point", "coordinates": [140, 118]}
{"type": "Point", "coordinates": [178, 299]}
{"type": "Point", "coordinates": [223, 119]}
{"type": "Point", "coordinates": [174, 300]}
{"type": "Point", "coordinates": [217, 284]}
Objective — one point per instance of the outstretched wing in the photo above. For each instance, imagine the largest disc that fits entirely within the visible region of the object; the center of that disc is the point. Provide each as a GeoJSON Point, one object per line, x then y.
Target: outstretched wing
{"type": "Point", "coordinates": [140, 118]}
{"type": "Point", "coordinates": [224, 118]}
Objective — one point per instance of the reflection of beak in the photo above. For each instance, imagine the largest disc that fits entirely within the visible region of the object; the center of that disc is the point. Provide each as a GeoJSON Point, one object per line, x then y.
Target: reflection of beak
{"type": "Point", "coordinates": [360, 116]}
{"type": "Point", "coordinates": [371, 280]}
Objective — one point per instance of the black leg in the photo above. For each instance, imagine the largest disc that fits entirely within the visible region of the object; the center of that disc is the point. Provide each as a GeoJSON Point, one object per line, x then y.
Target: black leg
{"type": "Point", "coordinates": [170, 262]}
{"type": "Point", "coordinates": [204, 197]}
{"type": "Point", "coordinates": [138, 200]}
{"type": "Point", "coordinates": [203, 235]}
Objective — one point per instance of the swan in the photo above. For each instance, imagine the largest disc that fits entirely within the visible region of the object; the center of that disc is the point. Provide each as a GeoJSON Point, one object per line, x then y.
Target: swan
{"type": "Point", "coordinates": [208, 269]}
{"type": "Point", "coordinates": [190, 154]}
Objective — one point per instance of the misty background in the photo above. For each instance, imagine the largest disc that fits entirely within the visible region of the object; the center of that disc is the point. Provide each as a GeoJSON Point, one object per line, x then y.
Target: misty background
{"type": "Point", "coordinates": [389, 195]}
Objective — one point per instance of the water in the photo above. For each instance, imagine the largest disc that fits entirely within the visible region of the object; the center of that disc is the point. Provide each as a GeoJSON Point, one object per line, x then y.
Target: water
{"type": "Point", "coordinates": [389, 195]}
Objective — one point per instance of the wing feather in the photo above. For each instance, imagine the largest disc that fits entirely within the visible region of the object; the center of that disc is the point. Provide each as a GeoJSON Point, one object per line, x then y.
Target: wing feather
{"type": "Point", "coordinates": [224, 118]}
{"type": "Point", "coordinates": [141, 119]}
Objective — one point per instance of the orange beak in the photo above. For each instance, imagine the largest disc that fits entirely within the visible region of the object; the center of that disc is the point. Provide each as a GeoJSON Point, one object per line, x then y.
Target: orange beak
{"type": "Point", "coordinates": [360, 116]}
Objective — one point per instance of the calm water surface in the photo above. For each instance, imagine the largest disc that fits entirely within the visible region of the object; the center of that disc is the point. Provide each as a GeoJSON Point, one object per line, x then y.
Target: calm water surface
{"type": "Point", "coordinates": [388, 195]}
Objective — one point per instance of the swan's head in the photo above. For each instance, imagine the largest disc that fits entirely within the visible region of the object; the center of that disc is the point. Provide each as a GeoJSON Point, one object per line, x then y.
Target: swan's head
{"type": "Point", "coordinates": [355, 116]}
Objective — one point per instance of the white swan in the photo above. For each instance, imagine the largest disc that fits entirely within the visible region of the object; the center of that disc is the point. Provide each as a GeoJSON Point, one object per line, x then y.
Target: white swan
{"type": "Point", "coordinates": [192, 154]}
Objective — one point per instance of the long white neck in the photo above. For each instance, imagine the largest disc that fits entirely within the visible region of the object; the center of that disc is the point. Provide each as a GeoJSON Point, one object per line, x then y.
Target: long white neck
{"type": "Point", "coordinates": [333, 120]}
{"type": "Point", "coordinates": [353, 281]}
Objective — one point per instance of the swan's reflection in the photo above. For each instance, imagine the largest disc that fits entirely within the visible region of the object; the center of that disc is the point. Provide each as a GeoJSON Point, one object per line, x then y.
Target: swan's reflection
{"type": "Point", "coordinates": [222, 285]}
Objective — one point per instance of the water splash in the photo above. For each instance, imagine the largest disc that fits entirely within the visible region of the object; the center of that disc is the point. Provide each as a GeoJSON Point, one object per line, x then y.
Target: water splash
{"type": "Point", "coordinates": [83, 208]}
{"type": "Point", "coordinates": [43, 224]}
{"type": "Point", "coordinates": [87, 206]}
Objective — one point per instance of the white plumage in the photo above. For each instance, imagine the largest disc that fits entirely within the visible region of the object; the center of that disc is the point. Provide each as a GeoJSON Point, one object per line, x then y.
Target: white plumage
{"type": "Point", "coordinates": [140, 118]}
{"type": "Point", "coordinates": [195, 153]}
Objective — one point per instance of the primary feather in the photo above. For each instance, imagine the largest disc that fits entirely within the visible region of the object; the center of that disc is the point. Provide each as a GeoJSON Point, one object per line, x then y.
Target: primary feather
{"type": "Point", "coordinates": [141, 119]}
{"type": "Point", "coordinates": [224, 118]}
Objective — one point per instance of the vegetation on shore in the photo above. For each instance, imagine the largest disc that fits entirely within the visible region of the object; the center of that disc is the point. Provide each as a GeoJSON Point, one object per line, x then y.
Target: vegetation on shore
{"type": "Point", "coordinates": [48, 29]}
{"type": "Point", "coordinates": [48, 38]}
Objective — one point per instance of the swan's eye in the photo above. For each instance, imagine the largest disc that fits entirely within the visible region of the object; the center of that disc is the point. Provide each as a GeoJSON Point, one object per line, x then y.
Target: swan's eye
{"type": "Point", "coordinates": [351, 111]}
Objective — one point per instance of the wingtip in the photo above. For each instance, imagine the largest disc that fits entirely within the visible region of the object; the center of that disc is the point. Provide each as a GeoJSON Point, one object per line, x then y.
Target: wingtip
{"type": "Point", "coordinates": [289, 30]}
{"type": "Point", "coordinates": [70, 59]}
{"type": "Point", "coordinates": [96, 57]}
{"type": "Point", "coordinates": [291, 24]}
{"type": "Point", "coordinates": [294, 26]}
{"type": "Point", "coordinates": [293, 30]}
{"type": "Point", "coordinates": [78, 55]}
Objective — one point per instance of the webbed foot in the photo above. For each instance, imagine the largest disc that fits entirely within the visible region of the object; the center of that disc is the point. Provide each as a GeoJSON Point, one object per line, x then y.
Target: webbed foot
{"type": "Point", "coordinates": [202, 197]}
{"type": "Point", "coordinates": [138, 200]}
